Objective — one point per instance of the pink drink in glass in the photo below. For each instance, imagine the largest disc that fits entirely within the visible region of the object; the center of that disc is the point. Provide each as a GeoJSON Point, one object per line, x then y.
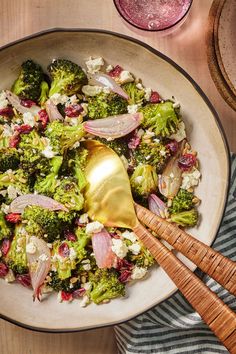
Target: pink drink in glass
{"type": "Point", "coordinates": [153, 15]}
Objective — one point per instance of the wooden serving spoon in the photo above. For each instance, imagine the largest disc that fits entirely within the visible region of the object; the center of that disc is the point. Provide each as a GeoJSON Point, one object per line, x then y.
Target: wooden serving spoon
{"type": "Point", "coordinates": [109, 200]}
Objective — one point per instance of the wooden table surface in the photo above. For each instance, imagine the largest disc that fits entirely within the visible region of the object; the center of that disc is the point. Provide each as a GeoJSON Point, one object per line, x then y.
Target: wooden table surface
{"type": "Point", "coordinates": [19, 18]}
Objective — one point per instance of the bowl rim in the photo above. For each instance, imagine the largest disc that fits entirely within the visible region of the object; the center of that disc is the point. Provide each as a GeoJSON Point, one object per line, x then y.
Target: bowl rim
{"type": "Point", "coordinates": [200, 92]}
{"type": "Point", "coordinates": [162, 30]}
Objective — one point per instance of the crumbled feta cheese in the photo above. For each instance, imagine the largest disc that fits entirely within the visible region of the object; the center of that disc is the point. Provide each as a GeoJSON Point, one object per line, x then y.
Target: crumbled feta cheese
{"type": "Point", "coordinates": [31, 248]}
{"type": "Point", "coordinates": [135, 248]}
{"type": "Point", "coordinates": [139, 86]}
{"type": "Point", "coordinates": [28, 119]}
{"type": "Point", "coordinates": [10, 277]}
{"type": "Point", "coordinates": [84, 302]}
{"type": "Point", "coordinates": [48, 151]}
{"type": "Point", "coordinates": [85, 261]}
{"type": "Point", "coordinates": [125, 76]}
{"type": "Point", "coordinates": [56, 98]}
{"type": "Point", "coordinates": [109, 68]}
{"type": "Point", "coordinates": [19, 249]}
{"type": "Point", "coordinates": [13, 192]}
{"type": "Point", "coordinates": [73, 254]}
{"type": "Point", "coordinates": [87, 286]}
{"type": "Point", "coordinates": [94, 226]}
{"type": "Point", "coordinates": [148, 134]}
{"type": "Point", "coordinates": [162, 152]}
{"type": "Point", "coordinates": [138, 273]}
{"type": "Point", "coordinates": [43, 257]}
{"type": "Point", "coordinates": [7, 130]}
{"type": "Point", "coordinates": [148, 157]}
{"type": "Point", "coordinates": [190, 179]}
{"type": "Point", "coordinates": [86, 267]}
{"type": "Point", "coordinates": [138, 179]}
{"type": "Point", "coordinates": [148, 92]}
{"type": "Point", "coordinates": [119, 248]}
{"type": "Point", "coordinates": [133, 108]}
{"type": "Point", "coordinates": [94, 65]}
{"type": "Point", "coordinates": [140, 133]}
{"type": "Point", "coordinates": [3, 100]}
{"type": "Point", "coordinates": [89, 90]}
{"type": "Point", "coordinates": [72, 100]}
{"type": "Point", "coordinates": [83, 219]}
{"type": "Point", "coordinates": [129, 235]}
{"type": "Point", "coordinates": [180, 134]}
{"type": "Point", "coordinates": [49, 245]}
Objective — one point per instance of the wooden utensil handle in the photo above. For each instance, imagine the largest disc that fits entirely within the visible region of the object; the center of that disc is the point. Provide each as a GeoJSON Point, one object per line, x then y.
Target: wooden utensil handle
{"type": "Point", "coordinates": [213, 311]}
{"type": "Point", "coordinates": [220, 268]}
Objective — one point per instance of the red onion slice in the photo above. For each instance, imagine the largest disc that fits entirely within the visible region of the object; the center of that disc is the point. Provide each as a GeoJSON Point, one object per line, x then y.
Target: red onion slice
{"type": "Point", "coordinates": [52, 111]}
{"type": "Point", "coordinates": [39, 264]}
{"type": "Point", "coordinates": [16, 103]}
{"type": "Point", "coordinates": [102, 243]}
{"type": "Point", "coordinates": [171, 178]}
{"type": "Point", "coordinates": [104, 80]}
{"type": "Point", "coordinates": [156, 205]}
{"type": "Point", "coordinates": [20, 203]}
{"type": "Point", "coordinates": [114, 126]}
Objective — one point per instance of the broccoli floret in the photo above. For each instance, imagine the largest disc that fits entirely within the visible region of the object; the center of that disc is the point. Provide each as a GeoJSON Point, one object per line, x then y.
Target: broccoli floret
{"type": "Point", "coordinates": [18, 179]}
{"type": "Point", "coordinates": [47, 185]}
{"type": "Point", "coordinates": [5, 230]}
{"type": "Point", "coordinates": [136, 95]}
{"type": "Point", "coordinates": [68, 193]}
{"type": "Point", "coordinates": [44, 92]}
{"type": "Point", "coordinates": [16, 257]}
{"type": "Point", "coordinates": [68, 262]}
{"type": "Point", "coordinates": [31, 158]}
{"type": "Point", "coordinates": [43, 223]}
{"type": "Point", "coordinates": [161, 117]}
{"type": "Point", "coordinates": [9, 159]}
{"type": "Point", "coordinates": [105, 285]}
{"type": "Point", "coordinates": [64, 137]}
{"type": "Point", "coordinates": [153, 153]}
{"type": "Point", "coordinates": [118, 145]}
{"type": "Point", "coordinates": [62, 284]}
{"type": "Point", "coordinates": [67, 77]}
{"type": "Point", "coordinates": [106, 104]}
{"type": "Point", "coordinates": [28, 84]}
{"type": "Point", "coordinates": [79, 166]}
{"type": "Point", "coordinates": [144, 180]}
{"type": "Point", "coordinates": [182, 201]}
{"type": "Point", "coordinates": [143, 259]}
{"type": "Point", "coordinates": [187, 218]}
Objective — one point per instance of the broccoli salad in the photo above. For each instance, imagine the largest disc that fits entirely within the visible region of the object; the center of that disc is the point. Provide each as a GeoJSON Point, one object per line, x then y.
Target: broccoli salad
{"type": "Point", "coordinates": [47, 241]}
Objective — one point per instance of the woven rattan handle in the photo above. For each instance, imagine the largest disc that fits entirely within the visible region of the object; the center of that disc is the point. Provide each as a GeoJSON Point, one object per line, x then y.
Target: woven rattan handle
{"type": "Point", "coordinates": [213, 311]}
{"type": "Point", "coordinates": [220, 268]}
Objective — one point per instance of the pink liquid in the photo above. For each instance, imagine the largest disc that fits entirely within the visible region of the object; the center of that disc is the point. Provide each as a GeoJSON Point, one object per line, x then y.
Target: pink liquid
{"type": "Point", "coordinates": [153, 14]}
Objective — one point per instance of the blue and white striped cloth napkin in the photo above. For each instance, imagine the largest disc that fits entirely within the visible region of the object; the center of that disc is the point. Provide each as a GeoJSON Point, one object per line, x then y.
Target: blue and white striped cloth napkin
{"type": "Point", "coordinates": [173, 326]}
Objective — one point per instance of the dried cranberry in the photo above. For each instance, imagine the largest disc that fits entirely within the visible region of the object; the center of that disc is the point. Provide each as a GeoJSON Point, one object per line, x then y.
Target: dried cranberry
{"type": "Point", "coordinates": [66, 296]}
{"type": "Point", "coordinates": [186, 161]}
{"type": "Point", "coordinates": [24, 279]}
{"type": "Point", "coordinates": [172, 146]}
{"type": "Point", "coordinates": [24, 129]}
{"type": "Point", "coordinates": [134, 141]}
{"type": "Point", "coordinates": [70, 236]}
{"type": "Point", "coordinates": [5, 246]}
{"type": "Point", "coordinates": [64, 250]}
{"type": "Point", "coordinates": [14, 218]}
{"type": "Point", "coordinates": [125, 276]}
{"type": "Point", "coordinates": [7, 112]}
{"type": "Point", "coordinates": [155, 97]}
{"type": "Point", "coordinates": [43, 117]}
{"type": "Point", "coordinates": [3, 269]}
{"type": "Point", "coordinates": [78, 293]}
{"type": "Point", "coordinates": [14, 140]}
{"type": "Point", "coordinates": [73, 110]}
{"type": "Point", "coordinates": [27, 103]}
{"type": "Point", "coordinates": [115, 72]}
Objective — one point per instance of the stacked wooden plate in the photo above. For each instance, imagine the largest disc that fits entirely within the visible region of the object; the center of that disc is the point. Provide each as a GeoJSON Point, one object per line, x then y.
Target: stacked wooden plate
{"type": "Point", "coordinates": [221, 48]}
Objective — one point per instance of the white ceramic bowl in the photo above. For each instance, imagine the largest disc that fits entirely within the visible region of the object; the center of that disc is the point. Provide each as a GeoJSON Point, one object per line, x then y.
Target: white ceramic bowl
{"type": "Point", "coordinates": [206, 136]}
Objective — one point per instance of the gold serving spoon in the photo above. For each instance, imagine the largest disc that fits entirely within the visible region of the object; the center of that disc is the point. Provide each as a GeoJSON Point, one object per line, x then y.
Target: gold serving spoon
{"type": "Point", "coordinates": [109, 200]}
